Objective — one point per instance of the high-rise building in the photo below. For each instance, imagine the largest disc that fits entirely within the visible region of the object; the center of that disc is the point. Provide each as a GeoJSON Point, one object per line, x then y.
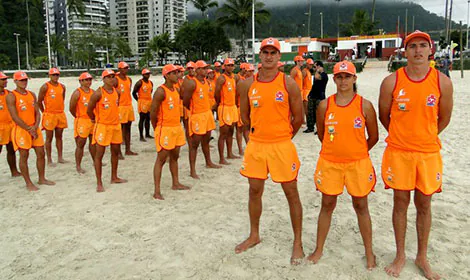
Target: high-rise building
{"type": "Point", "coordinates": [96, 14]}
{"type": "Point", "coordinates": [139, 21]}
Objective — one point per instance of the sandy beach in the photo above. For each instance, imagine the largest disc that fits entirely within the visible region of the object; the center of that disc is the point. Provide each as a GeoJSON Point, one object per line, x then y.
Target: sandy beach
{"type": "Point", "coordinates": [69, 231]}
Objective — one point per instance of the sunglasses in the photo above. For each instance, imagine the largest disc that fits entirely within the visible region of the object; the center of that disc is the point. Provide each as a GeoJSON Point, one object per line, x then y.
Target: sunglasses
{"type": "Point", "coordinates": [87, 80]}
{"type": "Point", "coordinates": [54, 74]}
{"type": "Point", "coordinates": [110, 76]}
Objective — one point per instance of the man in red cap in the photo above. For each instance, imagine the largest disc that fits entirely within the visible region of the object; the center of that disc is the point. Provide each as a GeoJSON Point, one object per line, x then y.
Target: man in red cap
{"type": "Point", "coordinates": [415, 106]}
{"type": "Point", "coordinates": [142, 93]}
{"type": "Point", "coordinates": [296, 71]}
{"type": "Point", "coordinates": [26, 134]}
{"type": "Point", "coordinates": [201, 122]}
{"type": "Point", "coordinates": [217, 69]}
{"type": "Point", "coordinates": [169, 135]}
{"type": "Point", "coordinates": [227, 113]}
{"type": "Point", "coordinates": [103, 110]}
{"type": "Point", "coordinates": [6, 125]}
{"type": "Point", "coordinates": [271, 105]}
{"type": "Point", "coordinates": [126, 110]}
{"type": "Point", "coordinates": [83, 127]}
{"type": "Point", "coordinates": [51, 102]}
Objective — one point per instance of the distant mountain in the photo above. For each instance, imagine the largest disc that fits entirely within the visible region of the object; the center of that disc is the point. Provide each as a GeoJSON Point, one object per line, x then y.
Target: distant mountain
{"type": "Point", "coordinates": [291, 21]}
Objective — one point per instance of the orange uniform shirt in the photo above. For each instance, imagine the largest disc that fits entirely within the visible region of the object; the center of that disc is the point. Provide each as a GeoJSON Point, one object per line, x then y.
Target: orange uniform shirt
{"type": "Point", "coordinates": [414, 113]}
{"type": "Point", "coordinates": [145, 91]}
{"type": "Point", "coordinates": [54, 98]}
{"type": "Point", "coordinates": [82, 104]}
{"type": "Point", "coordinates": [298, 77]}
{"type": "Point", "coordinates": [169, 113]}
{"type": "Point", "coordinates": [107, 111]}
{"type": "Point", "coordinates": [200, 102]}
{"type": "Point", "coordinates": [344, 139]}
{"type": "Point", "coordinates": [269, 110]}
{"type": "Point", "coordinates": [211, 88]}
{"type": "Point", "coordinates": [227, 93]}
{"type": "Point", "coordinates": [307, 81]}
{"type": "Point", "coordinates": [25, 107]}
{"type": "Point", "coordinates": [124, 88]}
{"type": "Point", "coordinates": [5, 117]}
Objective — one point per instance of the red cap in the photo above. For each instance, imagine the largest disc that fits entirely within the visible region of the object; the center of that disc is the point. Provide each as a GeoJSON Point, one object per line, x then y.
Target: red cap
{"type": "Point", "coordinates": [418, 34]}
{"type": "Point", "coordinates": [201, 64]}
{"type": "Point", "coordinates": [3, 76]}
{"type": "Point", "coordinates": [106, 73]}
{"type": "Point", "coordinates": [217, 64]}
{"type": "Point", "coordinates": [280, 63]}
{"type": "Point", "coordinates": [229, 61]}
{"type": "Point", "coordinates": [310, 61]}
{"type": "Point", "coordinates": [169, 68]}
{"type": "Point", "coordinates": [122, 65]}
{"type": "Point", "coordinates": [19, 76]}
{"type": "Point", "coordinates": [84, 76]}
{"type": "Point", "coordinates": [243, 65]}
{"type": "Point", "coordinates": [299, 58]}
{"type": "Point", "coordinates": [190, 65]}
{"type": "Point", "coordinates": [271, 42]}
{"type": "Point", "coordinates": [145, 71]}
{"type": "Point", "coordinates": [54, 71]}
{"type": "Point", "coordinates": [344, 67]}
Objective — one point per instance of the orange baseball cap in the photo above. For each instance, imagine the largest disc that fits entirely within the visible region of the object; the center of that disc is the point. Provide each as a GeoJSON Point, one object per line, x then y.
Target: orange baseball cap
{"type": "Point", "coordinates": [310, 61]}
{"type": "Point", "coordinates": [169, 68]}
{"type": "Point", "coordinates": [229, 61]}
{"type": "Point", "coordinates": [54, 71]}
{"type": "Point", "coordinates": [243, 65]}
{"type": "Point", "coordinates": [271, 42]}
{"type": "Point", "coordinates": [190, 65]}
{"type": "Point", "coordinates": [84, 76]}
{"type": "Point", "coordinates": [299, 58]}
{"type": "Point", "coordinates": [20, 75]}
{"type": "Point", "coordinates": [280, 63]}
{"type": "Point", "coordinates": [249, 67]}
{"type": "Point", "coordinates": [122, 65]}
{"type": "Point", "coordinates": [344, 67]}
{"type": "Point", "coordinates": [146, 71]}
{"type": "Point", "coordinates": [209, 71]}
{"type": "Point", "coordinates": [217, 64]}
{"type": "Point", "coordinates": [418, 34]}
{"type": "Point", "coordinates": [201, 64]}
{"type": "Point", "coordinates": [106, 73]}
{"type": "Point", "coordinates": [3, 76]}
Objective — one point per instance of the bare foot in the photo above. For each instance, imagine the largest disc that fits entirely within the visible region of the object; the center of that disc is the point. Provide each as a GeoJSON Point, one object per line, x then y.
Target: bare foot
{"type": "Point", "coordinates": [51, 164]}
{"type": "Point", "coordinates": [297, 255]}
{"type": "Point", "coordinates": [80, 170]}
{"type": "Point", "coordinates": [396, 266]}
{"type": "Point", "coordinates": [131, 153]}
{"type": "Point", "coordinates": [224, 162]}
{"type": "Point", "coordinates": [212, 165]}
{"type": "Point", "coordinates": [233, 157]}
{"type": "Point", "coordinates": [247, 244]}
{"type": "Point", "coordinates": [99, 188]}
{"type": "Point", "coordinates": [158, 196]}
{"type": "Point", "coordinates": [425, 267]}
{"type": "Point", "coordinates": [32, 188]}
{"type": "Point", "coordinates": [46, 182]}
{"type": "Point", "coordinates": [118, 181]}
{"type": "Point", "coordinates": [194, 176]}
{"type": "Point", "coordinates": [315, 256]}
{"type": "Point", "coordinates": [241, 153]}
{"type": "Point", "coordinates": [180, 187]}
{"type": "Point", "coordinates": [120, 157]}
{"type": "Point", "coordinates": [149, 136]}
{"type": "Point", "coordinates": [62, 161]}
{"type": "Point", "coordinates": [142, 139]}
{"type": "Point", "coordinates": [371, 262]}
{"type": "Point", "coordinates": [16, 174]}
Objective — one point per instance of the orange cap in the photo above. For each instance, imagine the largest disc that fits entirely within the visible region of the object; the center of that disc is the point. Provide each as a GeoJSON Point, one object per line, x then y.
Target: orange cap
{"type": "Point", "coordinates": [310, 61]}
{"type": "Point", "coordinates": [106, 73]}
{"type": "Point", "coordinates": [344, 67]}
{"type": "Point", "coordinates": [145, 71]}
{"type": "Point", "coordinates": [201, 64]}
{"type": "Point", "coordinates": [259, 65]}
{"type": "Point", "coordinates": [243, 65]}
{"type": "Point", "coordinates": [3, 76]}
{"type": "Point", "coordinates": [190, 65]}
{"type": "Point", "coordinates": [84, 76]}
{"type": "Point", "coordinates": [299, 58]}
{"type": "Point", "coordinates": [271, 42]}
{"type": "Point", "coordinates": [217, 64]}
{"type": "Point", "coordinates": [122, 65]}
{"type": "Point", "coordinates": [20, 75]}
{"type": "Point", "coordinates": [229, 61]}
{"type": "Point", "coordinates": [249, 67]}
{"type": "Point", "coordinates": [418, 34]}
{"type": "Point", "coordinates": [54, 71]}
{"type": "Point", "coordinates": [169, 68]}
{"type": "Point", "coordinates": [209, 71]}
{"type": "Point", "coordinates": [280, 63]}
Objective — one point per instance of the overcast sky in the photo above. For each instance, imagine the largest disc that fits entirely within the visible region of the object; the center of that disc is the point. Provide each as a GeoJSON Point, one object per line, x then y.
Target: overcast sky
{"type": "Point", "coordinates": [459, 11]}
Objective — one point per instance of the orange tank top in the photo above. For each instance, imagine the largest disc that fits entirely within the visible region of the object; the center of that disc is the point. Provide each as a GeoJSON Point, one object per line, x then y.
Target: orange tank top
{"type": "Point", "coordinates": [414, 113]}
{"type": "Point", "coordinates": [307, 82]}
{"type": "Point", "coordinates": [54, 99]}
{"type": "Point", "coordinates": [5, 117]}
{"type": "Point", "coordinates": [169, 113]}
{"type": "Point", "coordinates": [124, 88]}
{"type": "Point", "coordinates": [25, 107]}
{"type": "Point", "coordinates": [107, 110]}
{"type": "Point", "coordinates": [298, 78]}
{"type": "Point", "coordinates": [145, 91]}
{"type": "Point", "coordinates": [344, 139]}
{"type": "Point", "coordinates": [227, 93]}
{"type": "Point", "coordinates": [200, 98]}
{"type": "Point", "coordinates": [269, 110]}
{"type": "Point", "coordinates": [211, 89]}
{"type": "Point", "coordinates": [82, 104]}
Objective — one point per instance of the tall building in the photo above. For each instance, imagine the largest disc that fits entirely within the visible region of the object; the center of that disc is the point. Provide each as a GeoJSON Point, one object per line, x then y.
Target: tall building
{"type": "Point", "coordinates": [96, 14]}
{"type": "Point", "coordinates": [139, 21]}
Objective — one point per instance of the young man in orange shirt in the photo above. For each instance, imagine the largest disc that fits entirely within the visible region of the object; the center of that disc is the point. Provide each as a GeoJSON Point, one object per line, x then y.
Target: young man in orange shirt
{"type": "Point", "coordinates": [142, 93]}
{"type": "Point", "coordinates": [51, 100]}
{"type": "Point", "coordinates": [271, 104]}
{"type": "Point", "coordinates": [26, 134]}
{"type": "Point", "coordinates": [415, 106]}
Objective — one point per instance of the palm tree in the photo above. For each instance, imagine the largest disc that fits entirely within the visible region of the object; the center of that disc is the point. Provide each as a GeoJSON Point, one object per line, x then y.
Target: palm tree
{"type": "Point", "coordinates": [237, 13]}
{"type": "Point", "coordinates": [204, 5]}
{"type": "Point", "coordinates": [74, 7]}
{"type": "Point", "coordinates": [160, 45]}
{"type": "Point", "coordinates": [359, 25]}
{"type": "Point", "coordinates": [58, 46]}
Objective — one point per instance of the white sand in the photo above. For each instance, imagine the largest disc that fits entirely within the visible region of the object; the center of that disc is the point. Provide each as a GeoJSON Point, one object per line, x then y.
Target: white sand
{"type": "Point", "coordinates": [69, 231]}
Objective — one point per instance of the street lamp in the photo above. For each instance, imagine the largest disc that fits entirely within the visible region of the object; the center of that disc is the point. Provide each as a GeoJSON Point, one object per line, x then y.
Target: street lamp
{"type": "Point", "coordinates": [17, 49]}
{"type": "Point", "coordinates": [468, 12]}
{"type": "Point", "coordinates": [309, 14]}
{"type": "Point", "coordinates": [321, 24]}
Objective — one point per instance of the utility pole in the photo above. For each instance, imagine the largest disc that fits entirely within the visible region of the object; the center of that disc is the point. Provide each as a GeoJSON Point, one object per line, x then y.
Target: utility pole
{"type": "Point", "coordinates": [406, 22]}
{"type": "Point", "coordinates": [18, 49]}
{"type": "Point", "coordinates": [450, 22]}
{"type": "Point", "coordinates": [29, 32]}
{"type": "Point", "coordinates": [461, 49]}
{"type": "Point", "coordinates": [413, 25]}
{"type": "Point", "coordinates": [27, 56]}
{"type": "Point", "coordinates": [321, 24]}
{"type": "Point", "coordinates": [337, 19]}
{"type": "Point", "coordinates": [253, 30]}
{"type": "Point", "coordinates": [398, 26]}
{"type": "Point", "coordinates": [446, 20]}
{"type": "Point", "coordinates": [468, 12]}
{"type": "Point", "coordinates": [373, 12]}
{"type": "Point", "coordinates": [309, 16]}
{"type": "Point", "coordinates": [48, 39]}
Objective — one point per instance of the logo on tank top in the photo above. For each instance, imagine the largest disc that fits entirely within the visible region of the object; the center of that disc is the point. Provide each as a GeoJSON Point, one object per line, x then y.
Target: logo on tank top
{"type": "Point", "coordinates": [401, 92]}
{"type": "Point", "coordinates": [84, 101]}
{"type": "Point", "coordinates": [201, 94]}
{"type": "Point", "coordinates": [170, 103]}
{"type": "Point", "coordinates": [279, 96]}
{"type": "Point", "coordinates": [431, 100]}
{"type": "Point", "coordinates": [52, 94]}
{"type": "Point", "coordinates": [22, 105]}
{"type": "Point", "coordinates": [254, 91]}
{"type": "Point", "coordinates": [229, 86]}
{"type": "Point", "coordinates": [358, 123]}
{"type": "Point", "coordinates": [331, 116]}
{"type": "Point", "coordinates": [106, 103]}
{"type": "Point", "coordinates": [122, 88]}
{"type": "Point", "coordinates": [1, 105]}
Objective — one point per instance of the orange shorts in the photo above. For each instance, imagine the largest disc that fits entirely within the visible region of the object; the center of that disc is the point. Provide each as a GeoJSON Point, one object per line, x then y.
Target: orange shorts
{"type": "Point", "coordinates": [51, 121]}
{"type": "Point", "coordinates": [305, 94]}
{"type": "Point", "coordinates": [358, 177]}
{"type": "Point", "coordinates": [278, 159]}
{"type": "Point", "coordinates": [5, 133]}
{"type": "Point", "coordinates": [143, 105]}
{"type": "Point", "coordinates": [407, 171]}
{"type": "Point", "coordinates": [106, 134]}
{"type": "Point", "coordinates": [201, 123]}
{"type": "Point", "coordinates": [228, 115]}
{"type": "Point", "coordinates": [169, 137]}
{"type": "Point", "coordinates": [126, 114]}
{"type": "Point", "coordinates": [82, 128]}
{"type": "Point", "coordinates": [23, 140]}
